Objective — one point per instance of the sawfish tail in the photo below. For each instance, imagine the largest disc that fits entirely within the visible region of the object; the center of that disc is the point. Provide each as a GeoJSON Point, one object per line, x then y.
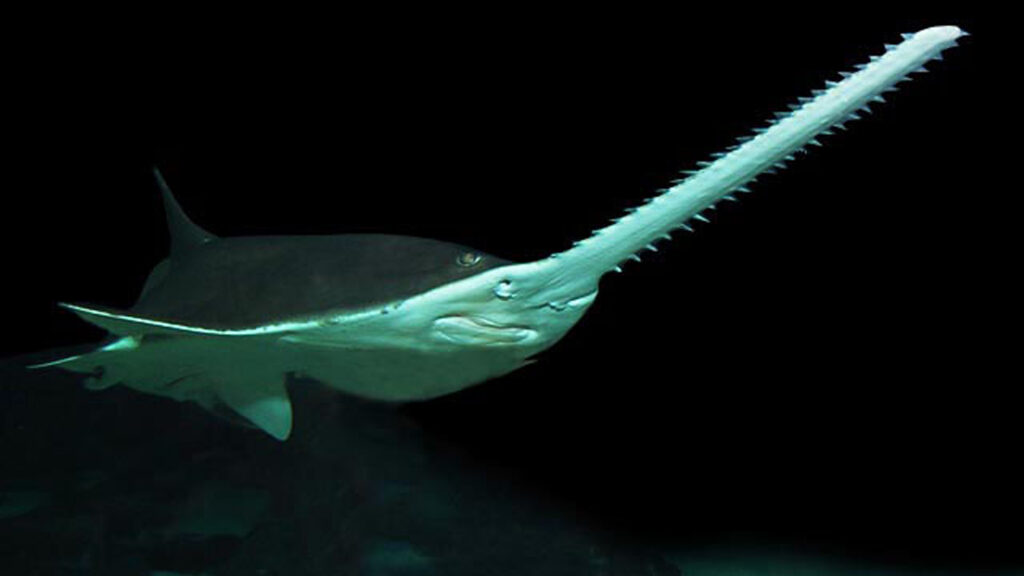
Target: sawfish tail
{"type": "Point", "coordinates": [767, 150]}
{"type": "Point", "coordinates": [176, 362]}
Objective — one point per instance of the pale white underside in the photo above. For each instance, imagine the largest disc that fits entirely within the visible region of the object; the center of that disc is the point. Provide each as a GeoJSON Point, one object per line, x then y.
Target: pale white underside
{"type": "Point", "coordinates": [424, 347]}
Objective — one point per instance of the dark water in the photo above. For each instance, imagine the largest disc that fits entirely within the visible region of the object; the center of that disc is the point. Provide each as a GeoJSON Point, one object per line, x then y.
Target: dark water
{"type": "Point", "coordinates": [118, 483]}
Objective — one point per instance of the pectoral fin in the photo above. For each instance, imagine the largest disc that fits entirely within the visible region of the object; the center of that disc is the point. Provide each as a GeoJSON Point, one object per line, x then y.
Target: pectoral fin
{"type": "Point", "coordinates": [125, 323]}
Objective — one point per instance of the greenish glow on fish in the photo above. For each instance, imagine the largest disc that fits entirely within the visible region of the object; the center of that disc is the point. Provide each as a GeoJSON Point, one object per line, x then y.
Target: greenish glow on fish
{"type": "Point", "coordinates": [224, 321]}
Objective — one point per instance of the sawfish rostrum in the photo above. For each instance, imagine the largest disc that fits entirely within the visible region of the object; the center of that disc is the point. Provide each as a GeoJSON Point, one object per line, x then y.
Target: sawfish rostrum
{"type": "Point", "coordinates": [225, 321]}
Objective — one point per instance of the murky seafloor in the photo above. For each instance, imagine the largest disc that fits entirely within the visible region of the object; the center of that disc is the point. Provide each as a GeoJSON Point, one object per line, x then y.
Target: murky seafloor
{"type": "Point", "coordinates": [360, 489]}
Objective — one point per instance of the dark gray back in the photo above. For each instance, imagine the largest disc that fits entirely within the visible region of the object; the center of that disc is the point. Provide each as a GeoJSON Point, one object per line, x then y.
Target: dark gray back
{"type": "Point", "coordinates": [250, 281]}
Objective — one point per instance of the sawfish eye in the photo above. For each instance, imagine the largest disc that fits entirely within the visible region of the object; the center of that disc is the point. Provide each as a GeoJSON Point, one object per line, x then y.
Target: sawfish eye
{"type": "Point", "coordinates": [468, 259]}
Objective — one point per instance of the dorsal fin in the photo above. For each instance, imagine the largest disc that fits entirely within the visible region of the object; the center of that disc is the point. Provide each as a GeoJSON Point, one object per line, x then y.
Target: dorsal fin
{"type": "Point", "coordinates": [185, 235]}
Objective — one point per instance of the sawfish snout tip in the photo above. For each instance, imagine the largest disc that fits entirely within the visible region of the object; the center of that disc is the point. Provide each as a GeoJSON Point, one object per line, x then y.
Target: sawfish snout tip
{"type": "Point", "coordinates": [943, 33]}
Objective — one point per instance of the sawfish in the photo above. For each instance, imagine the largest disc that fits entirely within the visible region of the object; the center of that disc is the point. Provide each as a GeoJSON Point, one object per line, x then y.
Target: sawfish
{"type": "Point", "coordinates": [228, 322]}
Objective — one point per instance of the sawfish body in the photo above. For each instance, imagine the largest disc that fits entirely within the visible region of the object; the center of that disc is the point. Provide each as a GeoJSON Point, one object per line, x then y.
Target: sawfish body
{"type": "Point", "coordinates": [225, 321]}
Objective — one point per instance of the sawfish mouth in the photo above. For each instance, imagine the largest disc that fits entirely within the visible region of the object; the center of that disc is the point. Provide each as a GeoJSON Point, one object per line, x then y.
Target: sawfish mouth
{"type": "Point", "coordinates": [477, 330]}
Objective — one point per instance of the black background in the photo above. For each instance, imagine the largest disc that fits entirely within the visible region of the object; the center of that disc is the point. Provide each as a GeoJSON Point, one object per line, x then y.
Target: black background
{"type": "Point", "coordinates": [828, 361]}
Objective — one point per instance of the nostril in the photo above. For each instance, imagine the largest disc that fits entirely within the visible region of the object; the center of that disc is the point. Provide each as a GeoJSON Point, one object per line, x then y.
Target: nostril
{"type": "Point", "coordinates": [504, 290]}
